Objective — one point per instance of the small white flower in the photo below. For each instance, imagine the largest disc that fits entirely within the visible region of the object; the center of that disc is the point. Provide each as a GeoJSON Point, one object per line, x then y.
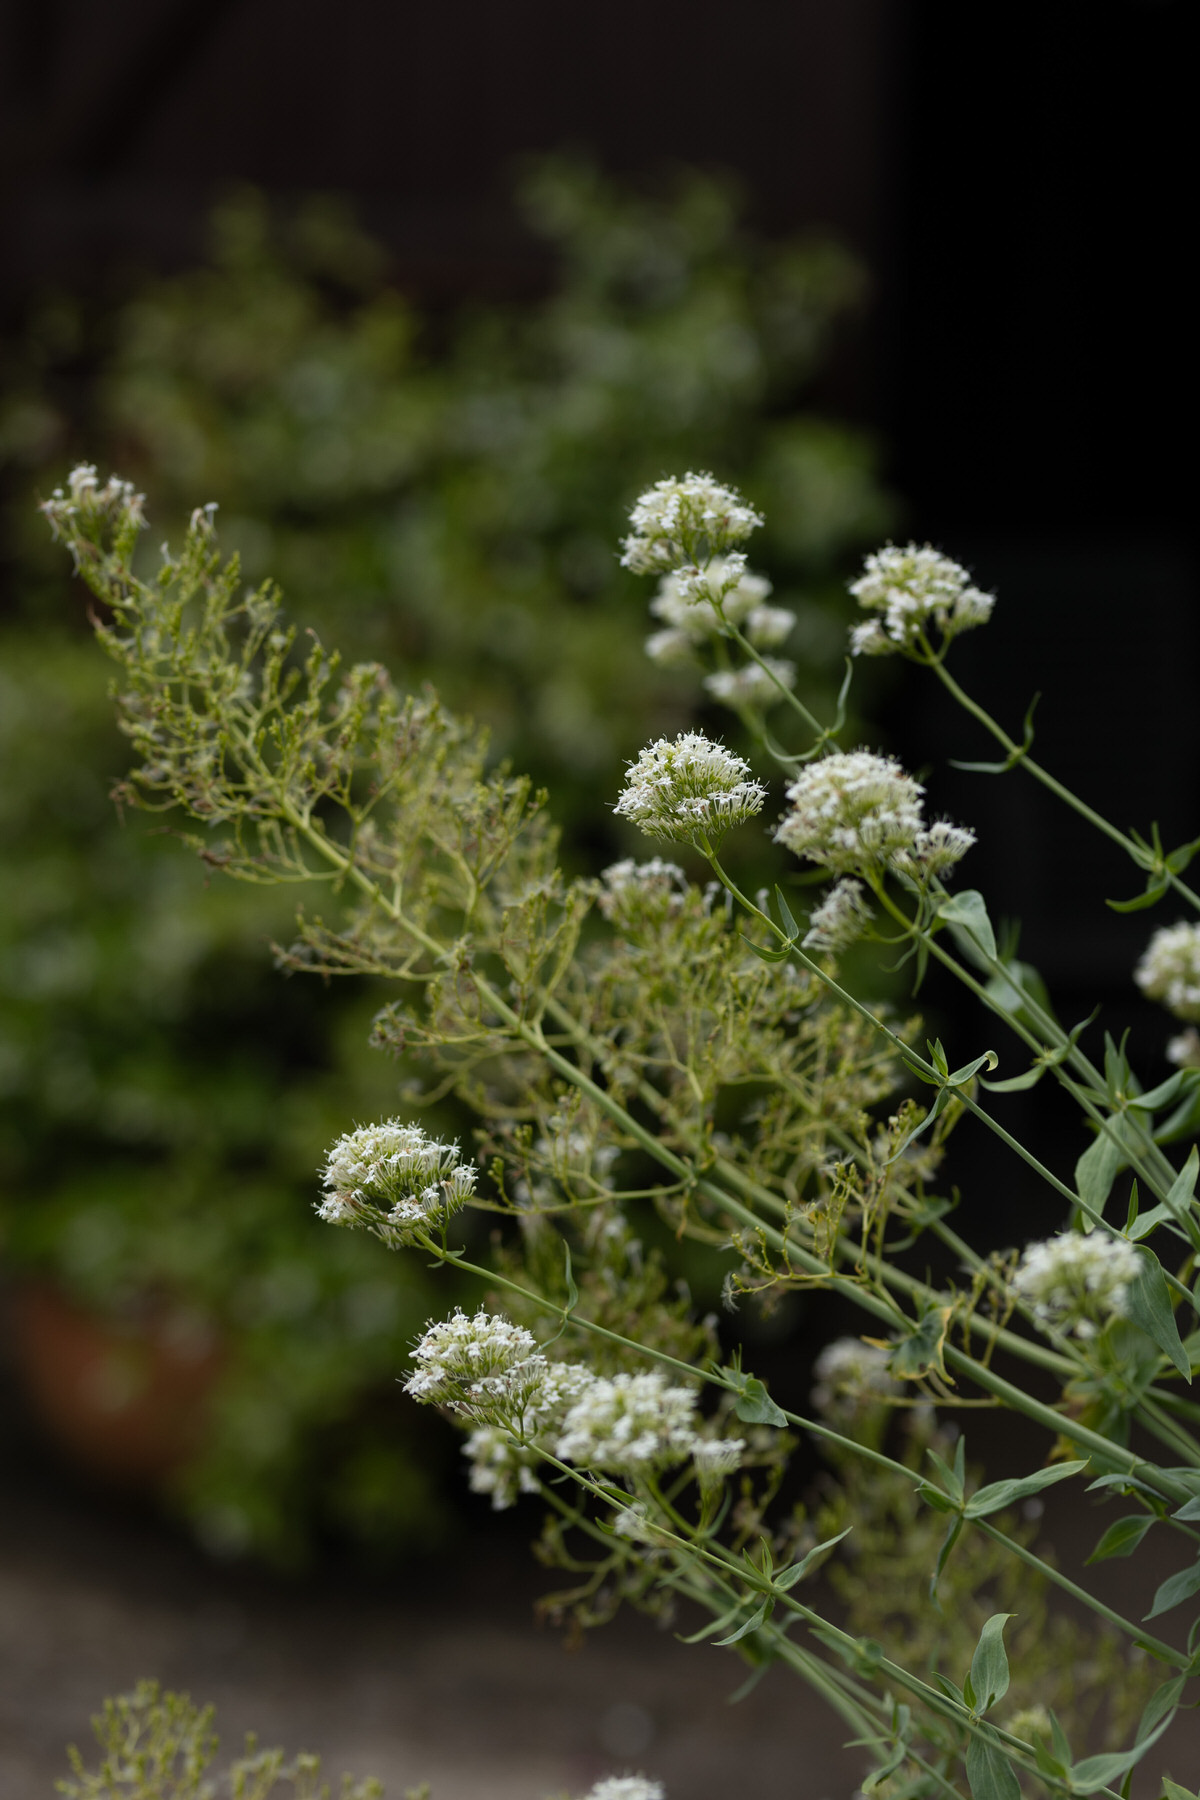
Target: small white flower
{"type": "Point", "coordinates": [852, 810]}
{"type": "Point", "coordinates": [628, 1423]}
{"type": "Point", "coordinates": [935, 849]}
{"type": "Point", "coordinates": [88, 504]}
{"type": "Point", "coordinates": [670, 648]}
{"type": "Point", "coordinates": [841, 918]}
{"type": "Point", "coordinates": [752, 685]}
{"type": "Point", "coordinates": [1170, 969]}
{"type": "Point", "coordinates": [674, 521]}
{"type": "Point", "coordinates": [636, 893]}
{"type": "Point", "coordinates": [500, 1466]}
{"type": "Point", "coordinates": [850, 1374]}
{"type": "Point", "coordinates": [911, 590]}
{"type": "Point", "coordinates": [1184, 1050]}
{"type": "Point", "coordinates": [626, 1787]}
{"type": "Point", "coordinates": [483, 1367]}
{"type": "Point", "coordinates": [767, 626]}
{"type": "Point", "coordinates": [394, 1179]}
{"type": "Point", "coordinates": [688, 789]}
{"type": "Point", "coordinates": [1077, 1282]}
{"type": "Point", "coordinates": [716, 1458]}
{"type": "Point", "coordinates": [685, 598]}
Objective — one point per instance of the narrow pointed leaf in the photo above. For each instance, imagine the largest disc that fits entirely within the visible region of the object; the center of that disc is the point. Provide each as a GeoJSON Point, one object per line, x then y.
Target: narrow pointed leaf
{"type": "Point", "coordinates": [1148, 1304]}
{"type": "Point", "coordinates": [1174, 1590]}
{"type": "Point", "coordinates": [759, 1617]}
{"type": "Point", "coordinates": [1122, 1537]}
{"type": "Point", "coordinates": [787, 1578]}
{"type": "Point", "coordinates": [785, 915]}
{"type": "Point", "coordinates": [998, 1494]}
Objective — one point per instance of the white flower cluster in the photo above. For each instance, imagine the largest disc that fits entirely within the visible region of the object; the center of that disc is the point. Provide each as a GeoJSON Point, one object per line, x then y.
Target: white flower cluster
{"type": "Point", "coordinates": [395, 1180]}
{"type": "Point", "coordinates": [85, 500]}
{"type": "Point", "coordinates": [858, 811]}
{"type": "Point", "coordinates": [688, 789]}
{"type": "Point", "coordinates": [484, 1367]}
{"type": "Point", "coordinates": [754, 684]}
{"type": "Point", "coordinates": [524, 1405]}
{"type": "Point", "coordinates": [910, 590]}
{"type": "Point", "coordinates": [841, 918]}
{"type": "Point", "coordinates": [674, 520]}
{"type": "Point", "coordinates": [627, 1787]}
{"type": "Point", "coordinates": [685, 602]}
{"type": "Point", "coordinates": [628, 1423]}
{"type": "Point", "coordinates": [1077, 1282]}
{"type": "Point", "coordinates": [639, 894]}
{"type": "Point", "coordinates": [1184, 1050]}
{"type": "Point", "coordinates": [1170, 969]}
{"type": "Point", "coordinates": [850, 1374]}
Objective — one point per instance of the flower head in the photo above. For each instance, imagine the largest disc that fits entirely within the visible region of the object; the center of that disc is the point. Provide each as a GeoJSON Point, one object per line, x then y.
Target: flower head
{"type": "Point", "coordinates": [910, 590]}
{"type": "Point", "coordinates": [86, 504]}
{"type": "Point", "coordinates": [1077, 1282]}
{"type": "Point", "coordinates": [850, 1374]}
{"type": "Point", "coordinates": [716, 1458]}
{"type": "Point", "coordinates": [754, 684]}
{"type": "Point", "coordinates": [634, 893]}
{"type": "Point", "coordinates": [687, 521]}
{"type": "Point", "coordinates": [1170, 969]}
{"type": "Point", "coordinates": [689, 789]}
{"type": "Point", "coordinates": [841, 918]}
{"type": "Point", "coordinates": [395, 1180]}
{"type": "Point", "coordinates": [626, 1787]}
{"type": "Point", "coordinates": [628, 1423]}
{"type": "Point", "coordinates": [482, 1366]}
{"type": "Point", "coordinates": [852, 810]}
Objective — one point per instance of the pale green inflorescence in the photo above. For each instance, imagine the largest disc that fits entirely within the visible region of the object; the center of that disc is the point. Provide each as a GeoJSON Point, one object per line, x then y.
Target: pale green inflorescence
{"type": "Point", "coordinates": [855, 812]}
{"type": "Point", "coordinates": [687, 790]}
{"type": "Point", "coordinates": [395, 1180]}
{"type": "Point", "coordinates": [909, 590]}
{"type": "Point", "coordinates": [1077, 1282]}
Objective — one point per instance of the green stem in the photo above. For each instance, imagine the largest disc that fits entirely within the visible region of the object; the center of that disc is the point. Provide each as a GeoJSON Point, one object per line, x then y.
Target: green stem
{"type": "Point", "coordinates": [1047, 780]}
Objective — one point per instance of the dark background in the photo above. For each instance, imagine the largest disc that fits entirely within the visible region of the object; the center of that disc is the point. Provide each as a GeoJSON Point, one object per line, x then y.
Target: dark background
{"type": "Point", "coordinates": [1013, 178]}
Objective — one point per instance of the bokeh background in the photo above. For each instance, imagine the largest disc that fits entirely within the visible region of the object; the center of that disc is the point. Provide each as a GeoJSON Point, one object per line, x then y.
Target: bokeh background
{"type": "Point", "coordinates": [422, 297]}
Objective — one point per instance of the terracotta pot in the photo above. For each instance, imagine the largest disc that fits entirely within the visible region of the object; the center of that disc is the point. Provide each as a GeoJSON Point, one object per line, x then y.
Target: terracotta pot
{"type": "Point", "coordinates": [127, 1400]}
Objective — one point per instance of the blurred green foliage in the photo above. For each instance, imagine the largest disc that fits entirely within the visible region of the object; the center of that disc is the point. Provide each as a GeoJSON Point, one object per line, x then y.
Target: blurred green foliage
{"type": "Point", "coordinates": [443, 492]}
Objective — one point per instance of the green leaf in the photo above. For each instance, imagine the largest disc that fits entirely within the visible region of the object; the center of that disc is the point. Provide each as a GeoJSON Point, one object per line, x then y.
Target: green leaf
{"type": "Point", "coordinates": [1174, 1590]}
{"type": "Point", "coordinates": [989, 1665]}
{"type": "Point", "coordinates": [921, 1351]}
{"type": "Point", "coordinates": [787, 1578]}
{"type": "Point", "coordinates": [785, 915]}
{"type": "Point", "coordinates": [1148, 1304]}
{"type": "Point", "coordinates": [1183, 1189]}
{"type": "Point", "coordinates": [1096, 1171]}
{"type": "Point", "coordinates": [1160, 1709]}
{"type": "Point", "coordinates": [1189, 1510]}
{"type": "Point", "coordinates": [1173, 1791]}
{"type": "Point", "coordinates": [1154, 893]}
{"type": "Point", "coordinates": [999, 1494]}
{"type": "Point", "coordinates": [758, 1617]}
{"type": "Point", "coordinates": [1122, 1537]}
{"type": "Point", "coordinates": [1016, 1084]}
{"type": "Point", "coordinates": [1161, 1095]}
{"type": "Point", "coordinates": [967, 916]}
{"type": "Point", "coordinates": [755, 1406]}
{"type": "Point", "coordinates": [989, 1773]}
{"type": "Point", "coordinates": [767, 956]}
{"type": "Point", "coordinates": [960, 1077]}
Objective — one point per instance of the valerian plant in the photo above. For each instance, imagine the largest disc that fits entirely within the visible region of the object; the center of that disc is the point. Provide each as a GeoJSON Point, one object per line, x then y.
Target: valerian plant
{"type": "Point", "coordinates": [637, 1042]}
